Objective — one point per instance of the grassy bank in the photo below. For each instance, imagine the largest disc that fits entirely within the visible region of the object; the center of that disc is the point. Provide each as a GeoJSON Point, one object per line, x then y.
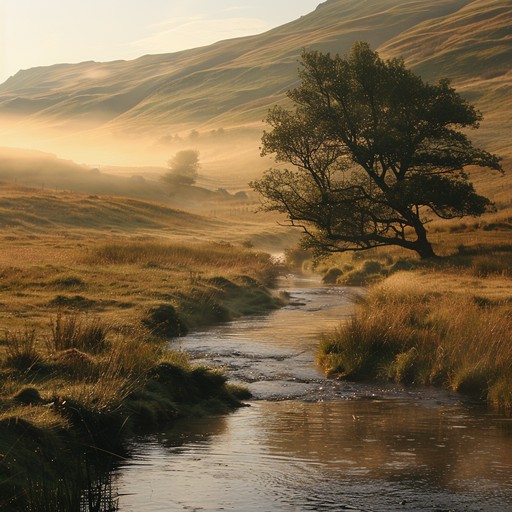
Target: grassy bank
{"type": "Point", "coordinates": [85, 359]}
{"type": "Point", "coordinates": [447, 325]}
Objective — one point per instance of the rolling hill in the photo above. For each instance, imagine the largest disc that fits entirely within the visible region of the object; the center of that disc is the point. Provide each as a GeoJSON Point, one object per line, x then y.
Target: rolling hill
{"type": "Point", "coordinates": [214, 98]}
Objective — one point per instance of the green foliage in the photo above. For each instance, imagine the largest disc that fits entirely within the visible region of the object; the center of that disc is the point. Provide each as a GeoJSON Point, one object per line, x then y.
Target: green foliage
{"type": "Point", "coordinates": [376, 151]}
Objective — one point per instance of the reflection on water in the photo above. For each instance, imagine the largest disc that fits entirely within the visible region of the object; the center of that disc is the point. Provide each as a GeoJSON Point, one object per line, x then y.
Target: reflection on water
{"type": "Point", "coordinates": [363, 454]}
{"type": "Point", "coordinates": [333, 447]}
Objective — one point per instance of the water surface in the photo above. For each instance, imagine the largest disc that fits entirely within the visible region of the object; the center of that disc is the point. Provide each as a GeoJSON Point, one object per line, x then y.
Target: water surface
{"type": "Point", "coordinates": [307, 443]}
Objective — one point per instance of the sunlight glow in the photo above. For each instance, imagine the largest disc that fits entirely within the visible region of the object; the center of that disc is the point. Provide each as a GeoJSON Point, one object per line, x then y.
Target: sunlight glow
{"type": "Point", "coordinates": [34, 33]}
{"type": "Point", "coordinates": [183, 33]}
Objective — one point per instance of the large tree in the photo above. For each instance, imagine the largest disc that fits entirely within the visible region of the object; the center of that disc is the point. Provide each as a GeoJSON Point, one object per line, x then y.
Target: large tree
{"type": "Point", "coordinates": [376, 153]}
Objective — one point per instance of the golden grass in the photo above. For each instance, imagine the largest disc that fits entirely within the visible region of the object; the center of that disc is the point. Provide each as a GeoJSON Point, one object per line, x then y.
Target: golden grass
{"type": "Point", "coordinates": [119, 279]}
{"type": "Point", "coordinates": [431, 327]}
{"type": "Point", "coordinates": [73, 296]}
{"type": "Point", "coordinates": [43, 417]}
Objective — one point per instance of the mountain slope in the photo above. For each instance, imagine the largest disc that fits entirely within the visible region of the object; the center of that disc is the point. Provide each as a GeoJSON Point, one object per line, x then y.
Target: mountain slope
{"type": "Point", "coordinates": [231, 84]}
{"type": "Point", "coordinates": [171, 88]}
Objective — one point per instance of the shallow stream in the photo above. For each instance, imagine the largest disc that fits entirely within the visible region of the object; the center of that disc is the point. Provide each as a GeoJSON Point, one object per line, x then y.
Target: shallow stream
{"type": "Point", "coordinates": [308, 443]}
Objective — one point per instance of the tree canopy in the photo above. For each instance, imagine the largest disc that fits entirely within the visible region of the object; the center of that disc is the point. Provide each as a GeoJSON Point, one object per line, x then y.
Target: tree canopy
{"type": "Point", "coordinates": [376, 152]}
{"type": "Point", "coordinates": [184, 167]}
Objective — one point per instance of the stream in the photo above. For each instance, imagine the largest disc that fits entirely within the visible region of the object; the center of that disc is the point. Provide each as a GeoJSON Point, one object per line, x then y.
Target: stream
{"type": "Point", "coordinates": [308, 443]}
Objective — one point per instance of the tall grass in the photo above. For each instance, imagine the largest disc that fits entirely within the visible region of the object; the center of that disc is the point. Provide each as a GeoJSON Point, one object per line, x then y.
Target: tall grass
{"type": "Point", "coordinates": [21, 348]}
{"type": "Point", "coordinates": [81, 332]}
{"type": "Point", "coordinates": [403, 333]}
{"type": "Point", "coordinates": [173, 255]}
{"type": "Point", "coordinates": [194, 259]}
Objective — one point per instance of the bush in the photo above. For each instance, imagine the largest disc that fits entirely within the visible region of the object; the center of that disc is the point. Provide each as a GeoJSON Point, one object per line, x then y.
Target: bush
{"type": "Point", "coordinates": [372, 267]}
{"type": "Point", "coordinates": [331, 276]}
{"type": "Point", "coordinates": [164, 321]}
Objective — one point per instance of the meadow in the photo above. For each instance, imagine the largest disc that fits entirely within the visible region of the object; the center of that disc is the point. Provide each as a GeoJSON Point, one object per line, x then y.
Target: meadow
{"type": "Point", "coordinates": [93, 287]}
{"type": "Point", "coordinates": [86, 316]}
{"type": "Point", "coordinates": [446, 322]}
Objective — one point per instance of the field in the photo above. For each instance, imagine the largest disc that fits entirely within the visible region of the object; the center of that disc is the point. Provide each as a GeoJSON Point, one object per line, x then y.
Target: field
{"type": "Point", "coordinates": [446, 323]}
{"type": "Point", "coordinates": [91, 290]}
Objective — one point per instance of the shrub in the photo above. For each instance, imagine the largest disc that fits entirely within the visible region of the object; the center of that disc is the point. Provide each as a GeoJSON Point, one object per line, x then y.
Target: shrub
{"type": "Point", "coordinates": [372, 267]}
{"type": "Point", "coordinates": [164, 321]}
{"type": "Point", "coordinates": [331, 276]}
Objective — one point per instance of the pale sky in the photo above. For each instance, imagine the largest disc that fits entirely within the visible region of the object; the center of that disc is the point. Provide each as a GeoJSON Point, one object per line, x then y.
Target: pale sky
{"type": "Point", "coordinates": [45, 32]}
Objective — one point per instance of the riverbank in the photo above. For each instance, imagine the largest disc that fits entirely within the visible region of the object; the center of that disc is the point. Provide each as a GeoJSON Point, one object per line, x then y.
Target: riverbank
{"type": "Point", "coordinates": [84, 356]}
{"type": "Point", "coordinates": [310, 442]}
{"type": "Point", "coordinates": [446, 325]}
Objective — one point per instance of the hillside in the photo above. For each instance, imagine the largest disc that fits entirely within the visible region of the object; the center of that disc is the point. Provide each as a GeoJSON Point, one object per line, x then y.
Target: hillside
{"type": "Point", "coordinates": [214, 98]}
{"type": "Point", "coordinates": [55, 216]}
{"type": "Point", "coordinates": [25, 210]}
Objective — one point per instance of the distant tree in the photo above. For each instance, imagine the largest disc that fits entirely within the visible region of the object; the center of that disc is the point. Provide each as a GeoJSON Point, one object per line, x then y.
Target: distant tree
{"type": "Point", "coordinates": [193, 135]}
{"type": "Point", "coordinates": [219, 132]}
{"type": "Point", "coordinates": [376, 153]}
{"type": "Point", "coordinates": [184, 167]}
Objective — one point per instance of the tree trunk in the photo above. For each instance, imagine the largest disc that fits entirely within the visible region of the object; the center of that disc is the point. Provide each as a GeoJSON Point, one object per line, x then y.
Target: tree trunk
{"type": "Point", "coordinates": [425, 250]}
{"type": "Point", "coordinates": [422, 246]}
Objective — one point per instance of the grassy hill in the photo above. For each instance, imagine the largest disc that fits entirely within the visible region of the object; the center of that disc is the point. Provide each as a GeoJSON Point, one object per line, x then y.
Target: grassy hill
{"type": "Point", "coordinates": [25, 210]}
{"type": "Point", "coordinates": [57, 218]}
{"type": "Point", "coordinates": [142, 111]}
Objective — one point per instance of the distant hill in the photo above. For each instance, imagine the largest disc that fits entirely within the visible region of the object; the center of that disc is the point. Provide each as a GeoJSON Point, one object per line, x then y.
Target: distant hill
{"type": "Point", "coordinates": [29, 212]}
{"type": "Point", "coordinates": [26, 210]}
{"type": "Point", "coordinates": [45, 172]}
{"type": "Point", "coordinates": [214, 98]}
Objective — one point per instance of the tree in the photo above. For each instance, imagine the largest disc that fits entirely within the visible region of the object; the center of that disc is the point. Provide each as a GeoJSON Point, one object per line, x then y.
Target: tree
{"type": "Point", "coordinates": [376, 153]}
{"type": "Point", "coordinates": [184, 167]}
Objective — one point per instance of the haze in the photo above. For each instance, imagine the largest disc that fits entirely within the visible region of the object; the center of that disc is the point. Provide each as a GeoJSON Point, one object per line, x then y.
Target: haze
{"type": "Point", "coordinates": [110, 107]}
{"type": "Point", "coordinates": [35, 33]}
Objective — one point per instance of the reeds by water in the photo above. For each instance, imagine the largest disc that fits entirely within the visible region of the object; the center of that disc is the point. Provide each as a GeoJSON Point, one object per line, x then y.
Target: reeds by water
{"type": "Point", "coordinates": [411, 333]}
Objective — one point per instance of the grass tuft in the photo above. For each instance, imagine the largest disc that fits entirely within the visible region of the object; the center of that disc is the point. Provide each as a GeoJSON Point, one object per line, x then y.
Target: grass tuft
{"type": "Point", "coordinates": [21, 348]}
{"type": "Point", "coordinates": [405, 332]}
{"type": "Point", "coordinates": [83, 333]}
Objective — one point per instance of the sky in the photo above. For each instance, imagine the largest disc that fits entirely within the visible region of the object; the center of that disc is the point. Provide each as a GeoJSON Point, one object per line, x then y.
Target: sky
{"type": "Point", "coordinates": [44, 32]}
